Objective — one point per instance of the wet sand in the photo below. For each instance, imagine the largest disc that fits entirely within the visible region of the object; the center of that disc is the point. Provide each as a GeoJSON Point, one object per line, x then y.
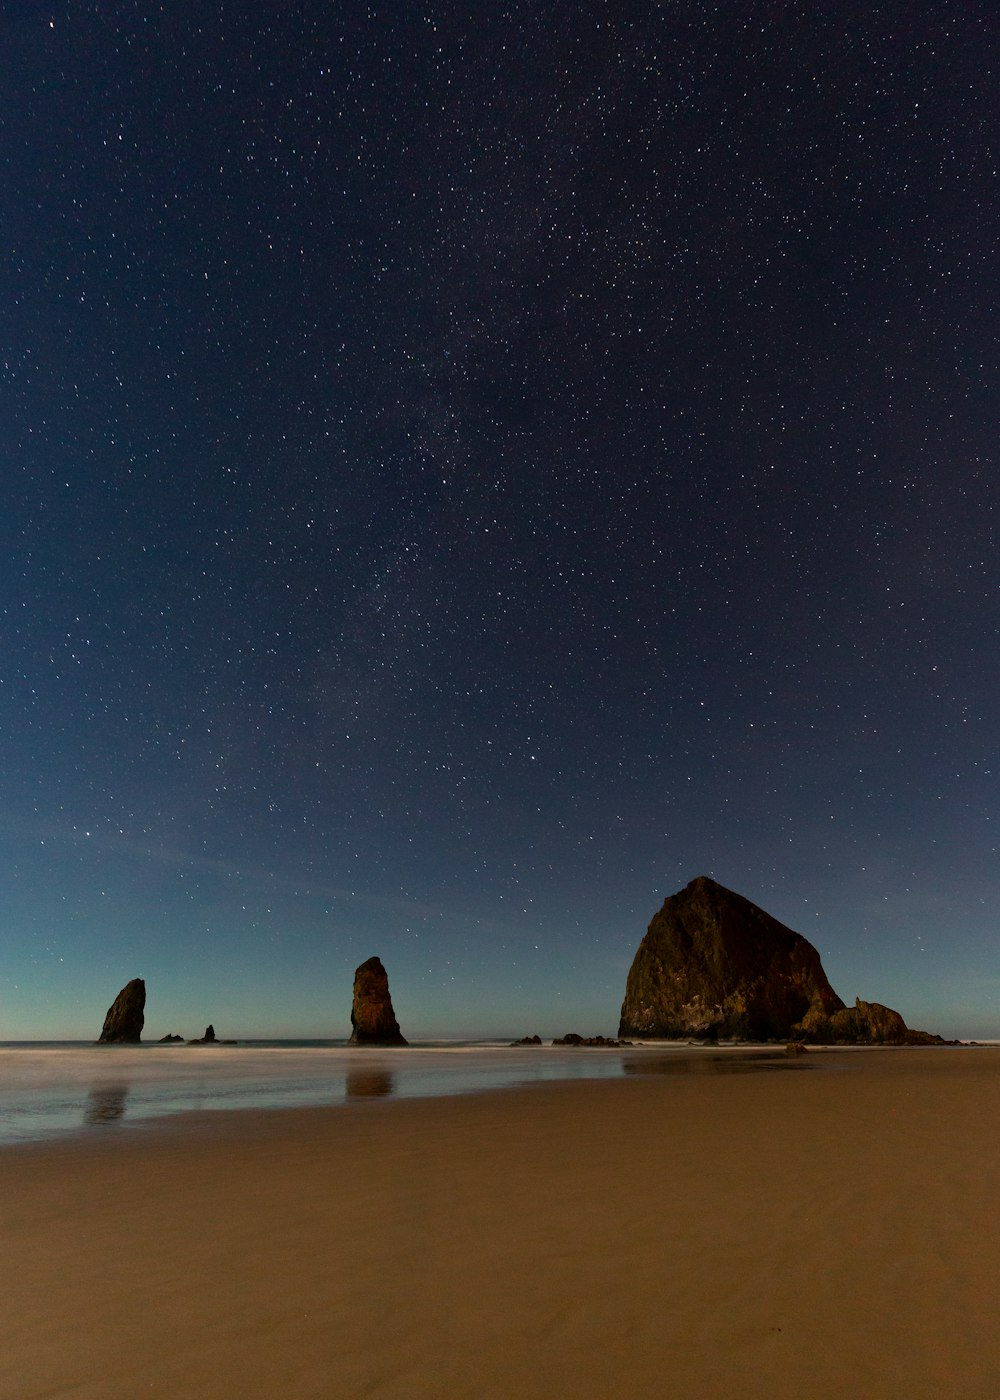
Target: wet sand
{"type": "Point", "coordinates": [829, 1231]}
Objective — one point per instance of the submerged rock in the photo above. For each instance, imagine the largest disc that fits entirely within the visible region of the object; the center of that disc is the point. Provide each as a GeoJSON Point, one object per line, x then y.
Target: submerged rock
{"type": "Point", "coordinates": [373, 1021]}
{"type": "Point", "coordinates": [712, 964]}
{"type": "Point", "coordinates": [126, 1015]}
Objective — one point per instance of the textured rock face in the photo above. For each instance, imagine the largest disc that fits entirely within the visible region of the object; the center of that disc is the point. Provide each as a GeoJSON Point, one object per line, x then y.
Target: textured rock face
{"type": "Point", "coordinates": [865, 1023]}
{"type": "Point", "coordinates": [125, 1019]}
{"type": "Point", "coordinates": [373, 1020]}
{"type": "Point", "coordinates": [712, 964]}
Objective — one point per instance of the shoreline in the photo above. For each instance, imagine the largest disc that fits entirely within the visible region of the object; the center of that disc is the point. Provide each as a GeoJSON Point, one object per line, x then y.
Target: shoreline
{"type": "Point", "coordinates": [244, 1123]}
{"type": "Point", "coordinates": [826, 1232]}
{"type": "Point", "coordinates": [50, 1093]}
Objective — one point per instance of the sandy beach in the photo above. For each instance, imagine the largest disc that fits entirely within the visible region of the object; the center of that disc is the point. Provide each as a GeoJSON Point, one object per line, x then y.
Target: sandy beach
{"type": "Point", "coordinates": [825, 1232]}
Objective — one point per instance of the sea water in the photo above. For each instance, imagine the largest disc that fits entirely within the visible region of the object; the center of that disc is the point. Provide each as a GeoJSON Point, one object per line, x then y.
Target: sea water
{"type": "Point", "coordinates": [52, 1089]}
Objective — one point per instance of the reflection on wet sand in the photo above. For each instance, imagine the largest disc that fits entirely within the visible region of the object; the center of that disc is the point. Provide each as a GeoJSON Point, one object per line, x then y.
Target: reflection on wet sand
{"type": "Point", "coordinates": [753, 1063]}
{"type": "Point", "coordinates": [106, 1104]}
{"type": "Point", "coordinates": [369, 1083]}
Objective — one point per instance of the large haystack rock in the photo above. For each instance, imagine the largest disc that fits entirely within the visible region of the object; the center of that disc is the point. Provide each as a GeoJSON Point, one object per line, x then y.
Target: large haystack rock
{"type": "Point", "coordinates": [714, 965]}
{"type": "Point", "coordinates": [373, 1020]}
{"type": "Point", "coordinates": [126, 1015]}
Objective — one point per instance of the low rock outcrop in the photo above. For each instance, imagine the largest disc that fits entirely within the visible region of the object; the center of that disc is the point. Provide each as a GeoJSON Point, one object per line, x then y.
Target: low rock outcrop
{"type": "Point", "coordinates": [373, 1021]}
{"type": "Point", "coordinates": [170, 1040]}
{"type": "Point", "coordinates": [712, 964]}
{"type": "Point", "coordinates": [865, 1023]}
{"type": "Point", "coordinates": [126, 1015]}
{"type": "Point", "coordinates": [573, 1039]}
{"type": "Point", "coordinates": [210, 1038]}
{"type": "Point", "coordinates": [527, 1040]}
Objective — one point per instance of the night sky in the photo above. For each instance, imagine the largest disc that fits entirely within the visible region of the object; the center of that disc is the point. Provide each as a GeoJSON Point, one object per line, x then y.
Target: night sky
{"type": "Point", "coordinates": [465, 473]}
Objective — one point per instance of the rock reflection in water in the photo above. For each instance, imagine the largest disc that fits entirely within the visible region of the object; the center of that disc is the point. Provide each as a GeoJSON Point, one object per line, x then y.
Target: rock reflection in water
{"type": "Point", "coordinates": [370, 1083]}
{"type": "Point", "coordinates": [701, 1063]}
{"type": "Point", "coordinates": [106, 1104]}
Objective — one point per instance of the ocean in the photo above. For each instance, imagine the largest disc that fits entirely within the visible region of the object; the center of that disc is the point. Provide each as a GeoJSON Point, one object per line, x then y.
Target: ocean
{"type": "Point", "coordinates": [50, 1089]}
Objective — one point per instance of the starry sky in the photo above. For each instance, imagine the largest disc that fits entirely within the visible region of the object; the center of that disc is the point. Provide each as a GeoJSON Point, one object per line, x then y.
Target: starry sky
{"type": "Point", "coordinates": [467, 471]}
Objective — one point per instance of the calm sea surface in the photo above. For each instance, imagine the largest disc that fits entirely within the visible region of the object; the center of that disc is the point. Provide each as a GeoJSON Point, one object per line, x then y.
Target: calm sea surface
{"type": "Point", "coordinates": [51, 1089]}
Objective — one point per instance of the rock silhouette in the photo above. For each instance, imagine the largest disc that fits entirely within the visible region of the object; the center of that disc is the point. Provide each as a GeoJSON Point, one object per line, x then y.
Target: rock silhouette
{"type": "Point", "coordinates": [373, 1020]}
{"type": "Point", "coordinates": [210, 1038]}
{"type": "Point", "coordinates": [712, 964]}
{"type": "Point", "coordinates": [572, 1038]}
{"type": "Point", "coordinates": [125, 1019]}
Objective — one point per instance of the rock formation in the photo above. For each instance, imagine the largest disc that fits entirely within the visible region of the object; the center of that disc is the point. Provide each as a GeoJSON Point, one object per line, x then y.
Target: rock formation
{"type": "Point", "coordinates": [865, 1023]}
{"type": "Point", "coordinates": [571, 1038]}
{"type": "Point", "coordinates": [170, 1040]}
{"type": "Point", "coordinates": [712, 964]}
{"type": "Point", "coordinates": [125, 1019]}
{"type": "Point", "coordinates": [209, 1038]}
{"type": "Point", "coordinates": [373, 1021]}
{"type": "Point", "coordinates": [527, 1040]}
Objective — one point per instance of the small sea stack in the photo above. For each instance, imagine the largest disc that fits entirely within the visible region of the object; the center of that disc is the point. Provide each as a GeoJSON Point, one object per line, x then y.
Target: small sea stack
{"type": "Point", "coordinates": [373, 1021]}
{"type": "Point", "coordinates": [126, 1015]}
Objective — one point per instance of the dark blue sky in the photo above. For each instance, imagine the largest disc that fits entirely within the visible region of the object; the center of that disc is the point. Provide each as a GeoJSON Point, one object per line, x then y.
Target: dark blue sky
{"type": "Point", "coordinates": [466, 474]}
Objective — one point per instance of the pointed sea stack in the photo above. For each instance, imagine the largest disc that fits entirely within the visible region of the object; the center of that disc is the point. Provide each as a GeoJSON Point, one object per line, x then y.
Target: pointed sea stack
{"type": "Point", "coordinates": [373, 1020]}
{"type": "Point", "coordinates": [712, 964]}
{"type": "Point", "coordinates": [125, 1019]}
